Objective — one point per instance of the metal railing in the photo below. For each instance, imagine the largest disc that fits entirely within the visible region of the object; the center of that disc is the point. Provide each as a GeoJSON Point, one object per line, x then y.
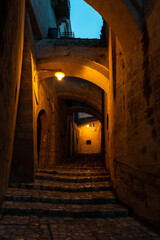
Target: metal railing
{"type": "Point", "coordinates": [67, 35]}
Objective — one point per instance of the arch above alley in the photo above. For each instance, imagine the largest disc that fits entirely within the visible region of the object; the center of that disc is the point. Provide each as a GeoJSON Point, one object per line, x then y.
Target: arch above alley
{"type": "Point", "coordinates": [75, 67]}
{"type": "Point", "coordinates": [84, 109]}
{"type": "Point", "coordinates": [76, 89]}
{"type": "Point", "coordinates": [90, 100]}
{"type": "Point", "coordinates": [95, 50]}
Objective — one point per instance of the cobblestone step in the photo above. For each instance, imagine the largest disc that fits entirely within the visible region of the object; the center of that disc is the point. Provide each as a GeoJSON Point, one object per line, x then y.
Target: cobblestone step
{"type": "Point", "coordinates": [76, 167]}
{"type": "Point", "coordinates": [74, 173]}
{"type": "Point", "coordinates": [85, 164]}
{"type": "Point", "coordinates": [57, 197]}
{"type": "Point", "coordinates": [69, 187]}
{"type": "Point", "coordinates": [73, 179]}
{"type": "Point", "coordinates": [55, 209]}
{"type": "Point", "coordinates": [73, 176]}
{"type": "Point", "coordinates": [49, 228]}
{"type": "Point", "coordinates": [64, 210]}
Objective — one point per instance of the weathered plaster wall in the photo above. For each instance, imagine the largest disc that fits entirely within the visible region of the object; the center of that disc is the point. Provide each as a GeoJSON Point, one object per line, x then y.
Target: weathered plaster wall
{"type": "Point", "coordinates": [11, 52]}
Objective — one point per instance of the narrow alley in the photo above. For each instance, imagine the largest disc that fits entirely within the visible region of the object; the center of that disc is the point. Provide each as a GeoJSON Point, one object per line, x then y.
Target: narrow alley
{"type": "Point", "coordinates": [79, 120]}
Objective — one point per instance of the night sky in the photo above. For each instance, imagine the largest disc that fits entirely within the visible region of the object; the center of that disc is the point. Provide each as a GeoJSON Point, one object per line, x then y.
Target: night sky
{"type": "Point", "coordinates": [85, 21]}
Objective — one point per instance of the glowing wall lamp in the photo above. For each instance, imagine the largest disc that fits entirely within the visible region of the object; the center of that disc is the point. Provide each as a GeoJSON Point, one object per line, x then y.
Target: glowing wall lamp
{"type": "Point", "coordinates": [87, 125]}
{"type": "Point", "coordinates": [59, 75]}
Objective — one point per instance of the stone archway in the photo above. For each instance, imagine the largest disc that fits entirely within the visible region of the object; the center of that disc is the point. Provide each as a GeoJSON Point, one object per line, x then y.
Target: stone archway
{"type": "Point", "coordinates": [91, 111]}
{"type": "Point", "coordinates": [75, 67]}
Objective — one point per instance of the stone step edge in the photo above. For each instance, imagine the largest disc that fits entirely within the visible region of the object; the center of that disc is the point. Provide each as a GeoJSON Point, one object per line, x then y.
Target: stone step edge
{"type": "Point", "coordinates": [61, 189]}
{"type": "Point", "coordinates": [98, 201]}
{"type": "Point", "coordinates": [82, 180]}
{"type": "Point", "coordinates": [61, 213]}
{"type": "Point", "coordinates": [73, 174]}
{"type": "Point", "coordinates": [76, 167]}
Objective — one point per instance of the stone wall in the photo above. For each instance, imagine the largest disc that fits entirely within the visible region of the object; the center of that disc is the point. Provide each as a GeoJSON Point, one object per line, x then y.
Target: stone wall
{"type": "Point", "coordinates": [61, 131]}
{"type": "Point", "coordinates": [32, 100]}
{"type": "Point", "coordinates": [11, 52]}
{"type": "Point", "coordinates": [134, 157]}
{"type": "Point", "coordinates": [22, 160]}
{"type": "Point", "coordinates": [35, 99]}
{"type": "Point", "coordinates": [89, 132]}
{"type": "Point", "coordinates": [58, 128]}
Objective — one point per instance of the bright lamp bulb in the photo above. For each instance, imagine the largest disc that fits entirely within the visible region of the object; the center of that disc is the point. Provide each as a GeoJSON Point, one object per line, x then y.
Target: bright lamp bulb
{"type": "Point", "coordinates": [59, 75]}
{"type": "Point", "coordinates": [87, 125]}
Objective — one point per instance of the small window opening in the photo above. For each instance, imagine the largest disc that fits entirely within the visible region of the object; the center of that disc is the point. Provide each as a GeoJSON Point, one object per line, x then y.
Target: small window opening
{"type": "Point", "coordinates": [88, 142]}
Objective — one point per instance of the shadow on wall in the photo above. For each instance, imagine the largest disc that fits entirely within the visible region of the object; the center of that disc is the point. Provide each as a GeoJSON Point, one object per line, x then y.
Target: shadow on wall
{"type": "Point", "coordinates": [42, 138]}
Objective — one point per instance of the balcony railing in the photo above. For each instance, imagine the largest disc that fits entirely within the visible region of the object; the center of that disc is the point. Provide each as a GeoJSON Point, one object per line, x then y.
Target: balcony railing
{"type": "Point", "coordinates": [67, 35]}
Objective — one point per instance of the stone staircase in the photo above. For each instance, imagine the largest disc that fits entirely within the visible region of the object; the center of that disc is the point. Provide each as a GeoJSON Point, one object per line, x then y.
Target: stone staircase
{"type": "Point", "coordinates": [69, 191]}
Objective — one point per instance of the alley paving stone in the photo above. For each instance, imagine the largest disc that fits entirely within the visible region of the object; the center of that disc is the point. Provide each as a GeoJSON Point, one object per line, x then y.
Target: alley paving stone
{"type": "Point", "coordinates": [48, 228]}
{"type": "Point", "coordinates": [69, 210]}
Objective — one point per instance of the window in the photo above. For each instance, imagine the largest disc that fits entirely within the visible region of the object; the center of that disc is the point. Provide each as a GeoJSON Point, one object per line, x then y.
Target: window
{"type": "Point", "coordinates": [88, 142]}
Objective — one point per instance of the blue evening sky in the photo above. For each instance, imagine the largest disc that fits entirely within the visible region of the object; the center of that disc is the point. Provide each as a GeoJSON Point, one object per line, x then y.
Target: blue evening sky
{"type": "Point", "coordinates": [85, 21]}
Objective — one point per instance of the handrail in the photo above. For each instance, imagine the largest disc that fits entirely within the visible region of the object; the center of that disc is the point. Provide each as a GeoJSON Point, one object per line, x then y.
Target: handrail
{"type": "Point", "coordinates": [136, 169]}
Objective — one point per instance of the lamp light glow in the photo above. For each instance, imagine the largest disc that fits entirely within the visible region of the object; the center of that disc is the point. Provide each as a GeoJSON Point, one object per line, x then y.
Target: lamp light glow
{"type": "Point", "coordinates": [87, 125]}
{"type": "Point", "coordinates": [59, 75]}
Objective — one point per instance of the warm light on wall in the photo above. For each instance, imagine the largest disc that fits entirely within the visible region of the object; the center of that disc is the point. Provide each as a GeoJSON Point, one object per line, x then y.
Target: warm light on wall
{"type": "Point", "coordinates": [59, 75]}
{"type": "Point", "coordinates": [87, 125]}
